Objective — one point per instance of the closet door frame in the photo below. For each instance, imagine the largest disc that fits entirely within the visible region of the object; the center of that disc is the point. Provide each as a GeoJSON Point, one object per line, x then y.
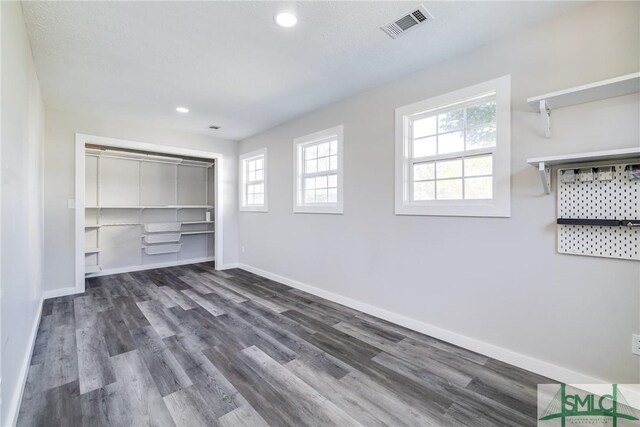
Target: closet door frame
{"type": "Point", "coordinates": [83, 139]}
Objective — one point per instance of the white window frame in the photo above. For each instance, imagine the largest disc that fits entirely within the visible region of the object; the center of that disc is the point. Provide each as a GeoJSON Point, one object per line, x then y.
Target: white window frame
{"type": "Point", "coordinates": [500, 205]}
{"type": "Point", "coordinates": [298, 145]}
{"type": "Point", "coordinates": [242, 180]}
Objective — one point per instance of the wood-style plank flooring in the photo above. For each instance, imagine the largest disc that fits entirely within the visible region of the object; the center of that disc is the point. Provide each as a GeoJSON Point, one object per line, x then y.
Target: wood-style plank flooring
{"type": "Point", "coordinates": [190, 346]}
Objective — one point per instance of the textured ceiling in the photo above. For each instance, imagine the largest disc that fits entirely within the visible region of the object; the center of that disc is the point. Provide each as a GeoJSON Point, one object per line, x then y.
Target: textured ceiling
{"type": "Point", "coordinates": [232, 66]}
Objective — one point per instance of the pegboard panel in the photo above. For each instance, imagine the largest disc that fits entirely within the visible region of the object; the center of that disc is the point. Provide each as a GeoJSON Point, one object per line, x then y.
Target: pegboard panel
{"type": "Point", "coordinates": [615, 199]}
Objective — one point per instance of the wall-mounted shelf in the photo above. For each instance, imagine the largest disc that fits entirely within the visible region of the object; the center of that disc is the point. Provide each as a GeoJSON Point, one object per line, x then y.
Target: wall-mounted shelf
{"type": "Point", "coordinates": [543, 164]}
{"type": "Point", "coordinates": [610, 88]}
{"type": "Point", "coordinates": [91, 251]}
{"type": "Point", "coordinates": [92, 226]}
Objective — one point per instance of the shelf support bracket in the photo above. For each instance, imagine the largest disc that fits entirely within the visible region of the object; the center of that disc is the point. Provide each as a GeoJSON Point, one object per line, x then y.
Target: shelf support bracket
{"type": "Point", "coordinates": [545, 115]}
{"type": "Point", "coordinates": [545, 176]}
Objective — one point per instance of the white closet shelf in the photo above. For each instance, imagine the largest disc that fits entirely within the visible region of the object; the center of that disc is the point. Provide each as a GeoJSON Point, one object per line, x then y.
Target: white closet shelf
{"type": "Point", "coordinates": [111, 224]}
{"type": "Point", "coordinates": [153, 207]}
{"type": "Point", "coordinates": [162, 238]}
{"type": "Point", "coordinates": [167, 248]}
{"type": "Point", "coordinates": [91, 251]}
{"type": "Point", "coordinates": [197, 232]}
{"type": "Point", "coordinates": [92, 269]}
{"type": "Point", "coordinates": [162, 227]}
{"type": "Point", "coordinates": [196, 222]}
{"type": "Point", "coordinates": [543, 164]}
{"type": "Point", "coordinates": [609, 88]}
{"type": "Point", "coordinates": [128, 155]}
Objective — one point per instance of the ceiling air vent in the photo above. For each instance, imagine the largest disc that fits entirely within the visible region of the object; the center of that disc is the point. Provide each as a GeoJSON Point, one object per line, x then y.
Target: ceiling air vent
{"type": "Point", "coordinates": [412, 19]}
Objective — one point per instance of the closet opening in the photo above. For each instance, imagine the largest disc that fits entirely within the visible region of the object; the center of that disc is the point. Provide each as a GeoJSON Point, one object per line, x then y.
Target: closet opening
{"type": "Point", "coordinates": [142, 206]}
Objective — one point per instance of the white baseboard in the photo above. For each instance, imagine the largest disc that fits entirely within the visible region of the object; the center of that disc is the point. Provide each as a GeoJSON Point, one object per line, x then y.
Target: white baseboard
{"type": "Point", "coordinates": [537, 366]}
{"type": "Point", "coordinates": [61, 292]}
{"type": "Point", "coordinates": [228, 266]}
{"type": "Point", "coordinates": [16, 400]}
{"type": "Point", "coordinates": [150, 266]}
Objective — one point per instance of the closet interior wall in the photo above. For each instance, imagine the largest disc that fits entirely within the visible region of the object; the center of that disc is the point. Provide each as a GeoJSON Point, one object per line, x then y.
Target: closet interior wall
{"type": "Point", "coordinates": [145, 210]}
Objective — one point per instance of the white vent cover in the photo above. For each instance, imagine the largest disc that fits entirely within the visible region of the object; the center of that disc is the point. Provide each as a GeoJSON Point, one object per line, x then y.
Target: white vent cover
{"type": "Point", "coordinates": [411, 20]}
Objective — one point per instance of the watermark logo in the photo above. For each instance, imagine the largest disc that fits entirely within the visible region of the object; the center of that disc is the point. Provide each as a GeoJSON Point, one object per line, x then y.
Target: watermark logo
{"type": "Point", "coordinates": [610, 405]}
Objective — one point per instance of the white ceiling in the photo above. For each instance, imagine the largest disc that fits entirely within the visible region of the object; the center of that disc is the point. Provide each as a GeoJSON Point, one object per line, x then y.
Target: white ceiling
{"type": "Point", "coordinates": [232, 66]}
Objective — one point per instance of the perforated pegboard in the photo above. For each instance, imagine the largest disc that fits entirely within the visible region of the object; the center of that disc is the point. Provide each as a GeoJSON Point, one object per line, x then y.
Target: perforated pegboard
{"type": "Point", "coordinates": [616, 199]}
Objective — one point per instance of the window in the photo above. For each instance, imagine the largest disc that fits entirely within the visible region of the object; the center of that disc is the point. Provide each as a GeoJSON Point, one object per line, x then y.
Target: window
{"type": "Point", "coordinates": [253, 181]}
{"type": "Point", "coordinates": [318, 172]}
{"type": "Point", "coordinates": [453, 153]}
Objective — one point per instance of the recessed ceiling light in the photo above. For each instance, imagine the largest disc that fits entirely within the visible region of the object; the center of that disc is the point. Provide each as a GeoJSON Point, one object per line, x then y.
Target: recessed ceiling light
{"type": "Point", "coordinates": [182, 110]}
{"type": "Point", "coordinates": [286, 19]}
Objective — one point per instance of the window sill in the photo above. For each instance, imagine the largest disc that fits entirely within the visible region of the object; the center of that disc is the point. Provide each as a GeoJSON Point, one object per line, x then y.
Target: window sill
{"type": "Point", "coordinates": [471, 210]}
{"type": "Point", "coordinates": [332, 209]}
{"type": "Point", "coordinates": [262, 209]}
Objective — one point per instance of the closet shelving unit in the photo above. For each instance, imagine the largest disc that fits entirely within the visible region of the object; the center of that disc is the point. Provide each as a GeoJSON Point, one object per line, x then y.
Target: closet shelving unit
{"type": "Point", "coordinates": [544, 104]}
{"type": "Point", "coordinates": [145, 211]}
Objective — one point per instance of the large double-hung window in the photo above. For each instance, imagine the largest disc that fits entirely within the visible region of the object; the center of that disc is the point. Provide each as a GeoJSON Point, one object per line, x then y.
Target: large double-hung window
{"type": "Point", "coordinates": [253, 181]}
{"type": "Point", "coordinates": [318, 172]}
{"type": "Point", "coordinates": [452, 153]}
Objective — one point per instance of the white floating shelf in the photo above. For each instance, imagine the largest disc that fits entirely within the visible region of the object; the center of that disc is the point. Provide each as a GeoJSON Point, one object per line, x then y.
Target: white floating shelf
{"type": "Point", "coordinates": [92, 269]}
{"type": "Point", "coordinates": [543, 164]}
{"type": "Point", "coordinates": [92, 226]}
{"type": "Point", "coordinates": [610, 88]}
{"type": "Point", "coordinates": [91, 251]}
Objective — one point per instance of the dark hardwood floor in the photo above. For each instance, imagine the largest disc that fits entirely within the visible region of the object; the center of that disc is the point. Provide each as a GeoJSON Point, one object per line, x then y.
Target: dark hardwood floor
{"type": "Point", "coordinates": [193, 346]}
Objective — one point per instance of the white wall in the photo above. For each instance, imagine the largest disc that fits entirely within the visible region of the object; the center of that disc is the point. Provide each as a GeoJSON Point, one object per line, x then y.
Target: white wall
{"type": "Point", "coordinates": [59, 183]}
{"type": "Point", "coordinates": [22, 219]}
{"type": "Point", "coordinates": [498, 281]}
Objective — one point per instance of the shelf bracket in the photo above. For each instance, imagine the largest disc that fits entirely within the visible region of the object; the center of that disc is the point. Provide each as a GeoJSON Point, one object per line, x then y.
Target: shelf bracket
{"type": "Point", "coordinates": [545, 116]}
{"type": "Point", "coordinates": [545, 176]}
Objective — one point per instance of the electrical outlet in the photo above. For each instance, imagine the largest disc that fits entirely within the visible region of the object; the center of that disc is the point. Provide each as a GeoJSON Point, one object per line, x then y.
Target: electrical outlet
{"type": "Point", "coordinates": [242, 249]}
{"type": "Point", "coordinates": [71, 203]}
{"type": "Point", "coordinates": [635, 344]}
